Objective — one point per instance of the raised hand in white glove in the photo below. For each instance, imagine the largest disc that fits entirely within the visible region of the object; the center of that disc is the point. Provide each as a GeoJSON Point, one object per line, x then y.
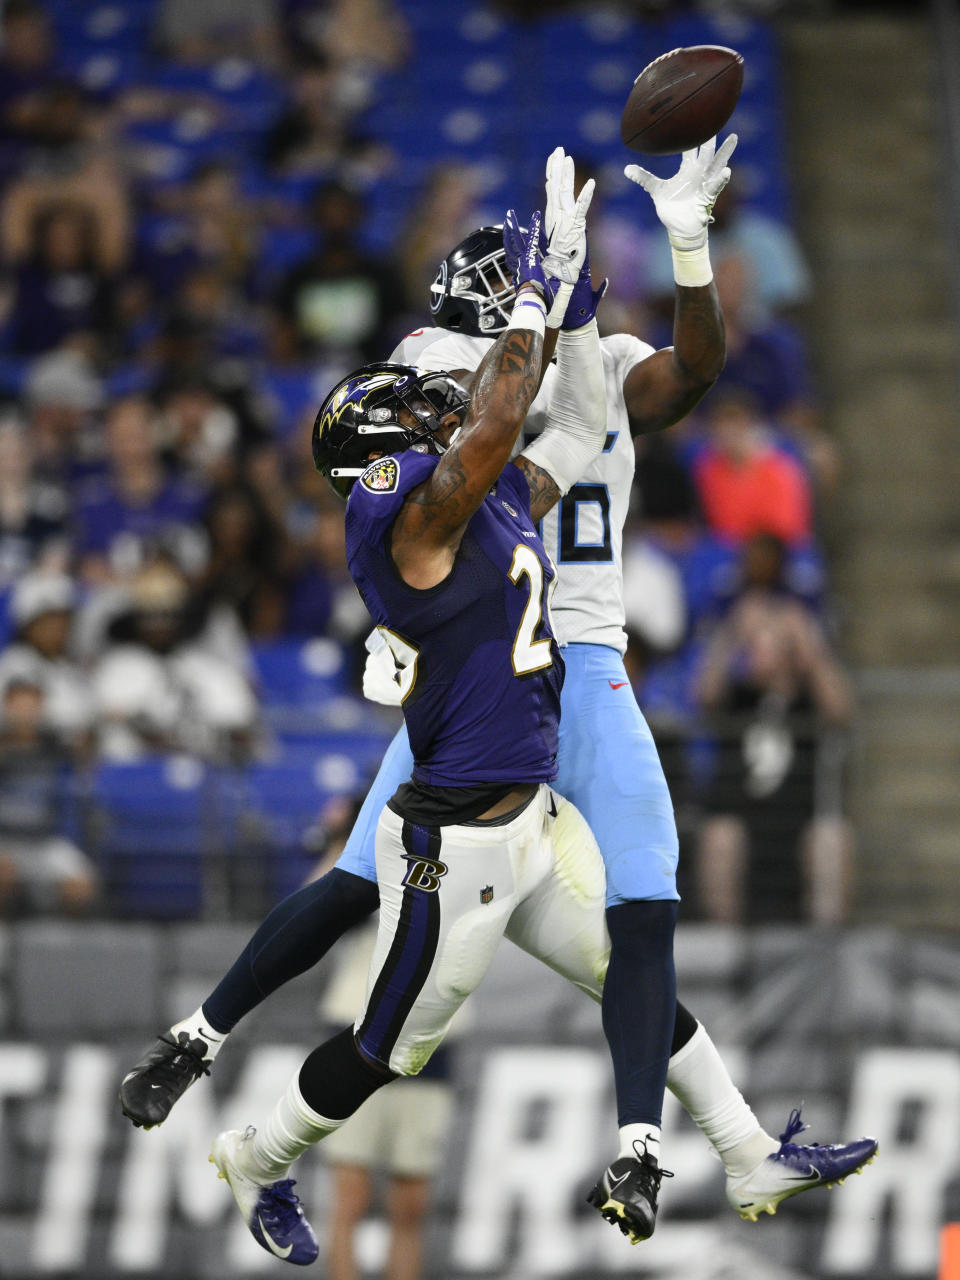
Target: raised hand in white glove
{"type": "Point", "coordinates": [564, 220]}
{"type": "Point", "coordinates": [684, 203]}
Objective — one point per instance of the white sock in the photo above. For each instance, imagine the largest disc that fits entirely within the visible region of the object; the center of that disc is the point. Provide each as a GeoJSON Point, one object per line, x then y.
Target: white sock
{"type": "Point", "coordinates": [197, 1028]}
{"type": "Point", "coordinates": [701, 1083]}
{"type": "Point", "coordinates": [635, 1138]}
{"type": "Point", "coordinates": [290, 1128]}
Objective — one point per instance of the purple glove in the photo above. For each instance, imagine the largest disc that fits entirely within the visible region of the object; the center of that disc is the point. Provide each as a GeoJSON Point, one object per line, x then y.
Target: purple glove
{"type": "Point", "coordinates": [523, 255]}
{"type": "Point", "coordinates": [514, 239]}
{"type": "Point", "coordinates": [530, 269]}
{"type": "Point", "coordinates": [584, 300]}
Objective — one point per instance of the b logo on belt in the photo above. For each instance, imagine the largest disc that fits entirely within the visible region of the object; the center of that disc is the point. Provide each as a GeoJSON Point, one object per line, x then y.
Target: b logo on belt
{"type": "Point", "coordinates": [423, 873]}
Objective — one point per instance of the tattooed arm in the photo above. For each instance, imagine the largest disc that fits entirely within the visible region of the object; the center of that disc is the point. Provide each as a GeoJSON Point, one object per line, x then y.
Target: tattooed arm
{"type": "Point", "coordinates": [467, 377]}
{"type": "Point", "coordinates": [544, 490]}
{"type": "Point", "coordinates": [430, 525]}
{"type": "Point", "coordinates": [667, 385]}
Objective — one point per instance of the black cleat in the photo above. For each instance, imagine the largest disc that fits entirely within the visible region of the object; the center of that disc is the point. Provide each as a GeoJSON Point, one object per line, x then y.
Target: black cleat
{"type": "Point", "coordinates": [626, 1195]}
{"type": "Point", "coordinates": [161, 1078]}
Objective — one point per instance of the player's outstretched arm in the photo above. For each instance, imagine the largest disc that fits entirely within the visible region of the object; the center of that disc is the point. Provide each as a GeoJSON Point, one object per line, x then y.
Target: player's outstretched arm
{"type": "Point", "coordinates": [663, 388]}
{"type": "Point", "coordinates": [430, 525]}
{"type": "Point", "coordinates": [577, 426]}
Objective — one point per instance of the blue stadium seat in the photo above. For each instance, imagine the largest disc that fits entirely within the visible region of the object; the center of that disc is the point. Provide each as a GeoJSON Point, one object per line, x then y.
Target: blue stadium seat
{"type": "Point", "coordinates": [300, 674]}
{"type": "Point", "coordinates": [283, 802]}
{"type": "Point", "coordinates": [103, 70]}
{"type": "Point", "coordinates": [13, 375]}
{"type": "Point", "coordinates": [279, 251]}
{"type": "Point", "coordinates": [157, 827]}
{"type": "Point", "coordinates": [98, 26]}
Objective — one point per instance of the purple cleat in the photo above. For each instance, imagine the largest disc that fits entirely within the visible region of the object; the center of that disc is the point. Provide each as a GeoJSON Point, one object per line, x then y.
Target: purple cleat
{"type": "Point", "coordinates": [270, 1209]}
{"type": "Point", "coordinates": [795, 1168]}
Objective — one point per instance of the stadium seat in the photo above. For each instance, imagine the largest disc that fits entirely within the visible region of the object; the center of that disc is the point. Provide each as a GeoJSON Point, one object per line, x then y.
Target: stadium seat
{"type": "Point", "coordinates": [283, 803]}
{"type": "Point", "coordinates": [300, 674]}
{"type": "Point", "coordinates": [157, 826]}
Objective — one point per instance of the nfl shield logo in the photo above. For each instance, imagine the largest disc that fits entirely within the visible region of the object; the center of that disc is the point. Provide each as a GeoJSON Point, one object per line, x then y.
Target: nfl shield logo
{"type": "Point", "coordinates": [381, 476]}
{"type": "Point", "coordinates": [486, 895]}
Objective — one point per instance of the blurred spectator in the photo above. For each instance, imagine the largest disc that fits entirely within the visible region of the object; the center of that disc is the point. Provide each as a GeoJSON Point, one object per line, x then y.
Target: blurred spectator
{"type": "Point", "coordinates": [47, 121]}
{"type": "Point", "coordinates": [673, 569]}
{"type": "Point", "coordinates": [209, 320]}
{"type": "Point", "coordinates": [62, 395]}
{"type": "Point", "coordinates": [60, 285]}
{"type": "Point", "coordinates": [746, 482]}
{"type": "Point", "coordinates": [43, 611]}
{"type": "Point", "coordinates": [321, 600]}
{"type": "Point", "coordinates": [315, 136]}
{"type": "Point", "coordinates": [85, 180]}
{"type": "Point", "coordinates": [28, 75]}
{"type": "Point", "coordinates": [445, 211]}
{"type": "Point", "coordinates": [671, 521]}
{"type": "Point", "coordinates": [160, 688]}
{"type": "Point", "coordinates": [770, 681]}
{"type": "Point", "coordinates": [400, 1132]}
{"type": "Point", "coordinates": [768, 358]}
{"type": "Point", "coordinates": [137, 501]}
{"type": "Point", "coordinates": [40, 868]}
{"type": "Point", "coordinates": [211, 223]}
{"type": "Point", "coordinates": [218, 29]}
{"type": "Point", "coordinates": [33, 514]}
{"type": "Point", "coordinates": [320, 575]}
{"type": "Point", "coordinates": [346, 29]}
{"type": "Point", "coordinates": [342, 298]}
{"type": "Point", "coordinates": [310, 136]}
{"type": "Point", "coordinates": [247, 567]}
{"type": "Point", "coordinates": [198, 432]}
{"type": "Point", "coordinates": [654, 602]}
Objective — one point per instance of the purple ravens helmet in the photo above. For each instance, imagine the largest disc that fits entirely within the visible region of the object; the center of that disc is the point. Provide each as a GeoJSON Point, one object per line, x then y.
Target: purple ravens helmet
{"type": "Point", "coordinates": [473, 292]}
{"type": "Point", "coordinates": [360, 417]}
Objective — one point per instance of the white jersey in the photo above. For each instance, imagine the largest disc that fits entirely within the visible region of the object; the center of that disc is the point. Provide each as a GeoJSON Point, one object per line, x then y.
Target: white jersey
{"type": "Point", "coordinates": [584, 531]}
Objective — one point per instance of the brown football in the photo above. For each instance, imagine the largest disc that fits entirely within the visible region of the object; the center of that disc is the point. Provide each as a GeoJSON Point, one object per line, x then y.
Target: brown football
{"type": "Point", "coordinates": [681, 99]}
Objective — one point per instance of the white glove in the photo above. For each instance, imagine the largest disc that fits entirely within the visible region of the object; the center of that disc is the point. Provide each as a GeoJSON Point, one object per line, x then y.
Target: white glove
{"type": "Point", "coordinates": [380, 682]}
{"type": "Point", "coordinates": [565, 220]}
{"type": "Point", "coordinates": [684, 203]}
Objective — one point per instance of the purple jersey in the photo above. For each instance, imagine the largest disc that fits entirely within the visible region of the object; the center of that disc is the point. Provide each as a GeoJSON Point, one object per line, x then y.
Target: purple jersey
{"type": "Point", "coordinates": [483, 671]}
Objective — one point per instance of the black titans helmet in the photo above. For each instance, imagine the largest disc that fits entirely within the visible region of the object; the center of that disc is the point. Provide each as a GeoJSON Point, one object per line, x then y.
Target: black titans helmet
{"type": "Point", "coordinates": [360, 417]}
{"type": "Point", "coordinates": [472, 291]}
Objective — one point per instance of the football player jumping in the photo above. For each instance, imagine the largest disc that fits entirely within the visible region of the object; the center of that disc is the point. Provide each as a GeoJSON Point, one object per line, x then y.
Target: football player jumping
{"type": "Point", "coordinates": [473, 844]}
{"type": "Point", "coordinates": [608, 764]}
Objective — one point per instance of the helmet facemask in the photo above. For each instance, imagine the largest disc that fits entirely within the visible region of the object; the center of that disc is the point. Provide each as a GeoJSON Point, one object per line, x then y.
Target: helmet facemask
{"type": "Point", "coordinates": [361, 416]}
{"type": "Point", "coordinates": [472, 291]}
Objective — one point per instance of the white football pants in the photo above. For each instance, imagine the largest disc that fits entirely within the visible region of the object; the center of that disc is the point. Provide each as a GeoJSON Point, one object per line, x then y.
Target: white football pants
{"type": "Point", "coordinates": [447, 896]}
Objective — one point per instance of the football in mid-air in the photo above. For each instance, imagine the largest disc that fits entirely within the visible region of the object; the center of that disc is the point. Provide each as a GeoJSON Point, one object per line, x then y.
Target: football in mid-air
{"type": "Point", "coordinates": [681, 99]}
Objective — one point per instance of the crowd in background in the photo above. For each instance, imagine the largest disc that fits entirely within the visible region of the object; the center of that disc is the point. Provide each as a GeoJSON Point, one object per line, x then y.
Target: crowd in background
{"type": "Point", "coordinates": [186, 269]}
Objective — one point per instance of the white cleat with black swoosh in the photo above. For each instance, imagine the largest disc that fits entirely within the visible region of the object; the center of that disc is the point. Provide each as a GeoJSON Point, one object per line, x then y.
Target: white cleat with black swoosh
{"type": "Point", "coordinates": [795, 1168]}
{"type": "Point", "coordinates": [271, 1210]}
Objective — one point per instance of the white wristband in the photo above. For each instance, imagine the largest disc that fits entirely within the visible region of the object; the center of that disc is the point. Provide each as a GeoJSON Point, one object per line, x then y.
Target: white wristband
{"type": "Point", "coordinates": [691, 267]}
{"type": "Point", "coordinates": [529, 312]}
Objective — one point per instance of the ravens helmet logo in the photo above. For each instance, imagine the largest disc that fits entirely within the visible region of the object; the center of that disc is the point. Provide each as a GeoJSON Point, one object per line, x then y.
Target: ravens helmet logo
{"type": "Point", "coordinates": [381, 476]}
{"type": "Point", "coordinates": [361, 416]}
